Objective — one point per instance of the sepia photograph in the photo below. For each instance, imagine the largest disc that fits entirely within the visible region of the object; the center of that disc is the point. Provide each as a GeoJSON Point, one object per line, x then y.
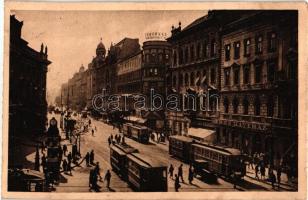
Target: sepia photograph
{"type": "Point", "coordinates": [143, 100]}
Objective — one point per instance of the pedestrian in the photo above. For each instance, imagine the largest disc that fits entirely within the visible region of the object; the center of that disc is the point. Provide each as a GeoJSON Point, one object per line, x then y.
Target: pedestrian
{"type": "Point", "coordinates": [37, 160]}
{"type": "Point", "coordinates": [92, 132]}
{"type": "Point", "coordinates": [279, 176]}
{"type": "Point", "coordinates": [64, 166]}
{"type": "Point", "coordinates": [123, 139]}
{"type": "Point", "coordinates": [111, 136]}
{"type": "Point", "coordinates": [262, 170]}
{"type": "Point", "coordinates": [89, 122]}
{"type": "Point", "coordinates": [60, 152]}
{"type": "Point", "coordinates": [69, 167]}
{"type": "Point", "coordinates": [190, 174]}
{"type": "Point", "coordinates": [64, 149]}
{"type": "Point", "coordinates": [180, 172]}
{"type": "Point", "coordinates": [43, 161]}
{"type": "Point", "coordinates": [171, 169]}
{"type": "Point", "coordinates": [234, 179]}
{"type": "Point", "coordinates": [107, 178]}
{"type": "Point", "coordinates": [69, 157]}
{"type": "Point", "coordinates": [92, 157]}
{"type": "Point", "coordinates": [257, 171]}
{"type": "Point", "coordinates": [95, 129]}
{"type": "Point", "coordinates": [91, 175]}
{"type": "Point", "coordinates": [116, 138]}
{"type": "Point", "coordinates": [273, 179]}
{"type": "Point", "coordinates": [109, 140]}
{"type": "Point", "coordinates": [88, 159]}
{"type": "Point", "coordinates": [177, 184]}
{"type": "Point", "coordinates": [97, 170]}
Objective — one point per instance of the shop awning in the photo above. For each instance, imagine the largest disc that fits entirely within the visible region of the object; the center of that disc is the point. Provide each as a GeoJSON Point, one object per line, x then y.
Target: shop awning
{"type": "Point", "coordinates": [201, 134]}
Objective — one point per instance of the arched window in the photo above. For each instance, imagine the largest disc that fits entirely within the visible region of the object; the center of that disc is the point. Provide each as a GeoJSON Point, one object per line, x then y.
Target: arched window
{"type": "Point", "coordinates": [192, 79]}
{"type": "Point", "coordinates": [174, 81]}
{"type": "Point", "coordinates": [186, 79]}
{"type": "Point", "coordinates": [181, 80]}
{"type": "Point", "coordinates": [199, 78]}
{"type": "Point", "coordinates": [235, 105]}
{"type": "Point", "coordinates": [226, 105]}
{"type": "Point", "coordinates": [245, 106]}
{"type": "Point", "coordinates": [257, 105]}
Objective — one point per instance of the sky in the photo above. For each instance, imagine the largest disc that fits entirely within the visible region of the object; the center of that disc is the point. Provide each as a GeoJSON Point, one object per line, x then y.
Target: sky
{"type": "Point", "coordinates": [72, 36]}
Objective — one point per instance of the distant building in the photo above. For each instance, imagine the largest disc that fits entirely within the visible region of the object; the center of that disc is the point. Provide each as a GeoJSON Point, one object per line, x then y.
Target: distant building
{"type": "Point", "coordinates": [27, 90]}
{"type": "Point", "coordinates": [258, 97]}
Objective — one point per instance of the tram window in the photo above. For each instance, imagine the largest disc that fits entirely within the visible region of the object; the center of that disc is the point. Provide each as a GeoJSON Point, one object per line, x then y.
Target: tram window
{"type": "Point", "coordinates": [165, 173]}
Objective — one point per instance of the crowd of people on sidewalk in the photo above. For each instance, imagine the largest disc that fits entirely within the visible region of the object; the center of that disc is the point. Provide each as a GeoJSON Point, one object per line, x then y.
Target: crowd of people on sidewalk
{"type": "Point", "coordinates": [179, 176]}
{"type": "Point", "coordinates": [117, 139]}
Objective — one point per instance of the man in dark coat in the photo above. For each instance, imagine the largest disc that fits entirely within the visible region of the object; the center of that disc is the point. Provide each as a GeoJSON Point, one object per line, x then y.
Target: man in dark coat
{"type": "Point", "coordinates": [171, 169]}
{"type": "Point", "coordinates": [177, 184]}
{"type": "Point", "coordinates": [64, 149]}
{"type": "Point", "coordinates": [88, 159]}
{"type": "Point", "coordinates": [92, 157]}
{"type": "Point", "coordinates": [107, 178]}
{"type": "Point", "coordinates": [180, 172]}
{"type": "Point", "coordinates": [190, 174]}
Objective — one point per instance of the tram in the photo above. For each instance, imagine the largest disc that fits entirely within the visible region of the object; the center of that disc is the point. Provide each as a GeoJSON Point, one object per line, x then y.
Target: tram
{"type": "Point", "coordinates": [146, 174]}
{"type": "Point", "coordinates": [139, 133]}
{"type": "Point", "coordinates": [179, 146]}
{"type": "Point", "coordinates": [53, 144]}
{"type": "Point", "coordinates": [207, 158]}
{"type": "Point", "coordinates": [118, 158]}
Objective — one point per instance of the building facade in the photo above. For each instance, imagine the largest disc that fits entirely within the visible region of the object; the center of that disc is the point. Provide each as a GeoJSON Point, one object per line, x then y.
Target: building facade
{"type": "Point", "coordinates": [27, 89]}
{"type": "Point", "coordinates": [258, 96]}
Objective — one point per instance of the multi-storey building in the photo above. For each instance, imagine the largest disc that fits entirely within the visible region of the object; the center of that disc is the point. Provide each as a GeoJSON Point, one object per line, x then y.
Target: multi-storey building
{"type": "Point", "coordinates": [27, 90]}
{"type": "Point", "coordinates": [195, 70]}
{"type": "Point", "coordinates": [258, 106]}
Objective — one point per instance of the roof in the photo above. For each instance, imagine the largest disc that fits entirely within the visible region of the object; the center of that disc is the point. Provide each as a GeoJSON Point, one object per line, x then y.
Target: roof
{"type": "Point", "coordinates": [123, 149]}
{"type": "Point", "coordinates": [136, 119]}
{"type": "Point", "coordinates": [225, 151]}
{"type": "Point", "coordinates": [145, 161]}
{"type": "Point", "coordinates": [196, 22]}
{"type": "Point", "coordinates": [182, 138]}
{"type": "Point", "coordinates": [200, 133]}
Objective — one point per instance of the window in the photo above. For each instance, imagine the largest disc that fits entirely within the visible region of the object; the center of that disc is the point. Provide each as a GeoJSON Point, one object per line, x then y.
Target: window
{"type": "Point", "coordinates": [227, 76]}
{"type": "Point", "coordinates": [258, 72]}
{"type": "Point", "coordinates": [272, 42]}
{"type": "Point", "coordinates": [257, 106]}
{"type": "Point", "coordinates": [236, 50]}
{"type": "Point", "coordinates": [245, 106]}
{"type": "Point", "coordinates": [192, 53]}
{"type": "Point", "coordinates": [155, 71]}
{"type": "Point", "coordinates": [181, 57]}
{"type": "Point", "coordinates": [270, 106]}
{"type": "Point", "coordinates": [147, 58]}
{"type": "Point", "coordinates": [198, 51]}
{"type": "Point", "coordinates": [226, 105]}
{"type": "Point", "coordinates": [213, 75]}
{"type": "Point", "coordinates": [235, 105]}
{"type": "Point", "coordinates": [192, 79]}
{"type": "Point", "coordinates": [174, 59]}
{"type": "Point", "coordinates": [160, 57]}
{"type": "Point", "coordinates": [213, 48]}
{"type": "Point", "coordinates": [236, 75]}
{"type": "Point", "coordinates": [174, 81]}
{"type": "Point", "coordinates": [246, 73]}
{"type": "Point", "coordinates": [271, 66]}
{"type": "Point", "coordinates": [186, 79]}
{"type": "Point", "coordinates": [186, 55]}
{"type": "Point", "coordinates": [259, 47]}
{"type": "Point", "coordinates": [181, 79]}
{"type": "Point", "coordinates": [247, 47]}
{"type": "Point", "coordinates": [204, 49]}
{"type": "Point", "coordinates": [227, 52]}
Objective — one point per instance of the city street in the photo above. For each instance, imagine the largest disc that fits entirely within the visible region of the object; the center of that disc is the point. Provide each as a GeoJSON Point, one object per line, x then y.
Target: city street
{"type": "Point", "coordinates": [79, 180]}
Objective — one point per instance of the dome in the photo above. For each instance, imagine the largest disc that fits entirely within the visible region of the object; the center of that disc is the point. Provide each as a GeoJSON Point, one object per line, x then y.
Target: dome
{"type": "Point", "coordinates": [101, 46]}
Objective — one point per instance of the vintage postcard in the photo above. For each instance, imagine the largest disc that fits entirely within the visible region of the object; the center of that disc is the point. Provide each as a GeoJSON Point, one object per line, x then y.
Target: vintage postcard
{"type": "Point", "coordinates": [154, 100]}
